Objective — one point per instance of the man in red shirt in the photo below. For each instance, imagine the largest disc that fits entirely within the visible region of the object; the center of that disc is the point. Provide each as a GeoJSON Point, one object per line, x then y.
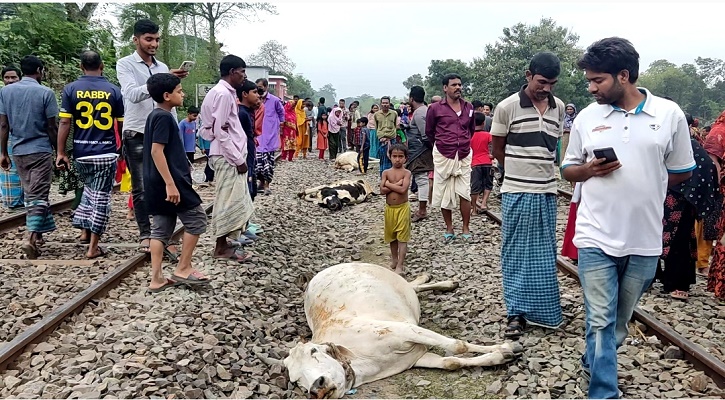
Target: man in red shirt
{"type": "Point", "coordinates": [481, 176]}
{"type": "Point", "coordinates": [449, 128]}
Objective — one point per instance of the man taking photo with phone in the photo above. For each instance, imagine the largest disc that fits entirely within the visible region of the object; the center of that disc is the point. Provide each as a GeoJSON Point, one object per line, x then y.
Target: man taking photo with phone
{"type": "Point", "coordinates": [133, 72]}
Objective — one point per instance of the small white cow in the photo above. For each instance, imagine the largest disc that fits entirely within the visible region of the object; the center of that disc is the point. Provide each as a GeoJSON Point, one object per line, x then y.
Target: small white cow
{"type": "Point", "coordinates": [338, 194]}
{"type": "Point", "coordinates": [364, 320]}
{"type": "Point", "coordinates": [347, 161]}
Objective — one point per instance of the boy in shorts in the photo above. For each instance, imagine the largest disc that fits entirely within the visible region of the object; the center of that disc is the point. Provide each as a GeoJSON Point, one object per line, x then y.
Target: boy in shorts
{"type": "Point", "coordinates": [167, 181]}
{"type": "Point", "coordinates": [394, 184]}
{"type": "Point", "coordinates": [481, 164]}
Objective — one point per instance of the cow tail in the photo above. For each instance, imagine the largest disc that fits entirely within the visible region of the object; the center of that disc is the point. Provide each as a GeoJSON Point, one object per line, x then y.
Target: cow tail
{"type": "Point", "coordinates": [360, 164]}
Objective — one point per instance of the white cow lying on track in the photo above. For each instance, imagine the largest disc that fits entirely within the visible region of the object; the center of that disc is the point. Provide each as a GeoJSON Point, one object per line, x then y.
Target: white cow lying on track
{"type": "Point", "coordinates": [347, 161]}
{"type": "Point", "coordinates": [364, 321]}
{"type": "Point", "coordinates": [338, 194]}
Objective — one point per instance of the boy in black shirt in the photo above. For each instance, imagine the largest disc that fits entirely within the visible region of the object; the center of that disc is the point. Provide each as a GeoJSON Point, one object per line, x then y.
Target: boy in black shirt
{"type": "Point", "coordinates": [167, 183]}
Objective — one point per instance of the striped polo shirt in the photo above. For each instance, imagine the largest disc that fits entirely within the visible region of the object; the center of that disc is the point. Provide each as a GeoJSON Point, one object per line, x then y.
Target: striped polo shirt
{"type": "Point", "coordinates": [531, 140]}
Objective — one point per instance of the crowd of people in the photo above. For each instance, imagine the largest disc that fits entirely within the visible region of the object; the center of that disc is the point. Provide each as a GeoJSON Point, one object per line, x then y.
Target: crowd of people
{"type": "Point", "coordinates": [646, 178]}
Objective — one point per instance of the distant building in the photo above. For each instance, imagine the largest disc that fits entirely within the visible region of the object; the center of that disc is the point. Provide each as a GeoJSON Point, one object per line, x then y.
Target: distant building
{"type": "Point", "coordinates": [278, 86]}
{"type": "Point", "coordinates": [256, 72]}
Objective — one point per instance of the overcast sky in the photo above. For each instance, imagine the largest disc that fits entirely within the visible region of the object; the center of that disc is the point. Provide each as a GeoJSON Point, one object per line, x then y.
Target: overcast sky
{"type": "Point", "coordinates": [357, 60]}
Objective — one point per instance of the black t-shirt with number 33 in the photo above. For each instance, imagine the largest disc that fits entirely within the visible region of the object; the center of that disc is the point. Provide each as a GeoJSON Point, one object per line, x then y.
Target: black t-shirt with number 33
{"type": "Point", "coordinates": [93, 103]}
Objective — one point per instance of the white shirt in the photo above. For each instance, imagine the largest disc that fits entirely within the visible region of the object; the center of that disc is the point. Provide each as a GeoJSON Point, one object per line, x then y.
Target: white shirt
{"type": "Point", "coordinates": [621, 213]}
{"type": "Point", "coordinates": [132, 73]}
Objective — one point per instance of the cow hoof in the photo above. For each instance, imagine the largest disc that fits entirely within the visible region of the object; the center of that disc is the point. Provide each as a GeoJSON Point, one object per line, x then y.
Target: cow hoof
{"type": "Point", "coordinates": [517, 348]}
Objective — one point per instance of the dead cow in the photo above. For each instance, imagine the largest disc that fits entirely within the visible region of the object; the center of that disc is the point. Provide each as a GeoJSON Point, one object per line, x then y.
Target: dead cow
{"type": "Point", "coordinates": [347, 161]}
{"type": "Point", "coordinates": [364, 320]}
{"type": "Point", "coordinates": [338, 194]}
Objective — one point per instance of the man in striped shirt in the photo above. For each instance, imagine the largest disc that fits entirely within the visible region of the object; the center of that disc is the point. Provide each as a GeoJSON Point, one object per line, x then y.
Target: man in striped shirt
{"type": "Point", "coordinates": [525, 131]}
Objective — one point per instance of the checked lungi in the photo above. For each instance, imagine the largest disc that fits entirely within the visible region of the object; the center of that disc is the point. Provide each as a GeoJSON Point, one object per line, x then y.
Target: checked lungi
{"type": "Point", "coordinates": [11, 190]}
{"type": "Point", "coordinates": [528, 258]}
{"type": "Point", "coordinates": [35, 175]}
{"type": "Point", "coordinates": [264, 166]}
{"type": "Point", "coordinates": [233, 206]}
{"type": "Point", "coordinates": [94, 210]}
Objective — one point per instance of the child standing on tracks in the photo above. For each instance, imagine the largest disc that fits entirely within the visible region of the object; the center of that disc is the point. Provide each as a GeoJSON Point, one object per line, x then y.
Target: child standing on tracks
{"type": "Point", "coordinates": [482, 173]}
{"type": "Point", "coordinates": [362, 144]}
{"type": "Point", "coordinates": [168, 189]}
{"type": "Point", "coordinates": [394, 184]}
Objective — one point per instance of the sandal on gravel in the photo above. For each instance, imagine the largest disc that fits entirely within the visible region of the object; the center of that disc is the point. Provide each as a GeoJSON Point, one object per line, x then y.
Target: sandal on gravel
{"type": "Point", "coordinates": [174, 257]}
{"type": "Point", "coordinates": [417, 217]}
{"type": "Point", "coordinates": [101, 253]}
{"type": "Point", "coordinates": [31, 251]}
{"type": "Point", "coordinates": [515, 328]}
{"type": "Point", "coordinates": [194, 278]}
{"type": "Point", "coordinates": [236, 256]}
{"type": "Point", "coordinates": [169, 284]}
{"type": "Point", "coordinates": [448, 237]}
{"type": "Point", "coordinates": [679, 295]}
{"type": "Point", "coordinates": [144, 248]}
{"type": "Point", "coordinates": [467, 237]}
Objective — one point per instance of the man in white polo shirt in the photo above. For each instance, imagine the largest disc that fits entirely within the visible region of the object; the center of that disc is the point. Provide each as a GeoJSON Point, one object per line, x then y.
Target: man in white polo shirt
{"type": "Point", "coordinates": [619, 221]}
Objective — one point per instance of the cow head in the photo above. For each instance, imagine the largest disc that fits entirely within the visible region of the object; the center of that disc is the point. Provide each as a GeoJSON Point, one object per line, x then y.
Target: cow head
{"type": "Point", "coordinates": [330, 199]}
{"type": "Point", "coordinates": [322, 370]}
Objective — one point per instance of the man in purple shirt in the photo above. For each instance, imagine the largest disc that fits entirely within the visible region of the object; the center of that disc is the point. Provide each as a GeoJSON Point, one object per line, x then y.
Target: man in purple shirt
{"type": "Point", "coordinates": [449, 128]}
{"type": "Point", "coordinates": [269, 139]}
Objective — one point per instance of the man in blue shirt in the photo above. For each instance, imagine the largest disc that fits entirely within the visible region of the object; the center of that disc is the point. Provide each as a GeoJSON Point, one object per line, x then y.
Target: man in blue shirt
{"type": "Point", "coordinates": [27, 112]}
{"type": "Point", "coordinates": [92, 104]}
{"type": "Point", "coordinates": [187, 131]}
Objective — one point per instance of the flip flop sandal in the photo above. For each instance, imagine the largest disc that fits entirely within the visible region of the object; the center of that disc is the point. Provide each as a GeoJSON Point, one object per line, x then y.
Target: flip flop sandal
{"type": "Point", "coordinates": [467, 236]}
{"type": "Point", "coordinates": [448, 237]}
{"type": "Point", "coordinates": [195, 278]}
{"type": "Point", "coordinates": [418, 217]}
{"type": "Point", "coordinates": [172, 256]}
{"type": "Point", "coordinates": [101, 253]}
{"type": "Point", "coordinates": [169, 284]}
{"type": "Point", "coordinates": [30, 251]}
{"type": "Point", "coordinates": [679, 295]}
{"type": "Point", "coordinates": [144, 249]}
{"type": "Point", "coordinates": [236, 256]}
{"type": "Point", "coordinates": [515, 328]}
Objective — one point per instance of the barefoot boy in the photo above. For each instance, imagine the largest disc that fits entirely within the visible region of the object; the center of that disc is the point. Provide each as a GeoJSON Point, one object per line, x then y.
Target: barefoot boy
{"type": "Point", "coordinates": [167, 182]}
{"type": "Point", "coordinates": [394, 184]}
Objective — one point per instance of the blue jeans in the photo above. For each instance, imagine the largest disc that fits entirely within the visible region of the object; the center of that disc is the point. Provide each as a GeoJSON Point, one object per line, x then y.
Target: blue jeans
{"type": "Point", "coordinates": [612, 287]}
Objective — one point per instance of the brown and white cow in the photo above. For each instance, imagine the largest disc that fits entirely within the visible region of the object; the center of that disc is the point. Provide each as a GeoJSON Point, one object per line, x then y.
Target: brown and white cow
{"type": "Point", "coordinates": [339, 194]}
{"type": "Point", "coordinates": [364, 320]}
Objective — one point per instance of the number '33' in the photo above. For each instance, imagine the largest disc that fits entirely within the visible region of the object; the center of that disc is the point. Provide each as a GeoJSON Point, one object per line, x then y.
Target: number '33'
{"type": "Point", "coordinates": [105, 120]}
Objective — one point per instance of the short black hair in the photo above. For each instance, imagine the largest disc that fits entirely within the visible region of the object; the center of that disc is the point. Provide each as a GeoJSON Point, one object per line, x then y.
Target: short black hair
{"type": "Point", "coordinates": [144, 26]}
{"type": "Point", "coordinates": [612, 56]}
{"type": "Point", "coordinates": [322, 100]}
{"type": "Point", "coordinates": [480, 118]}
{"type": "Point", "coordinates": [399, 147]}
{"type": "Point", "coordinates": [158, 84]}
{"type": "Point", "coordinates": [476, 104]}
{"type": "Point", "coordinates": [230, 62]}
{"type": "Point", "coordinates": [364, 120]}
{"type": "Point", "coordinates": [91, 60]}
{"type": "Point", "coordinates": [383, 98]}
{"type": "Point", "coordinates": [192, 110]}
{"type": "Point", "coordinates": [357, 103]}
{"type": "Point", "coordinates": [30, 65]}
{"type": "Point", "coordinates": [490, 105]}
{"type": "Point", "coordinates": [11, 67]}
{"type": "Point", "coordinates": [689, 119]}
{"type": "Point", "coordinates": [247, 86]}
{"type": "Point", "coordinates": [417, 93]}
{"type": "Point", "coordinates": [265, 82]}
{"type": "Point", "coordinates": [341, 100]}
{"type": "Point", "coordinates": [546, 64]}
{"type": "Point", "coordinates": [707, 128]}
{"type": "Point", "coordinates": [447, 78]}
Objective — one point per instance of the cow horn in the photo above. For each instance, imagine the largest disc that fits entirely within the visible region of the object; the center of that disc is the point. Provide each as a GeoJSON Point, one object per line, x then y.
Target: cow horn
{"type": "Point", "coordinates": [269, 361]}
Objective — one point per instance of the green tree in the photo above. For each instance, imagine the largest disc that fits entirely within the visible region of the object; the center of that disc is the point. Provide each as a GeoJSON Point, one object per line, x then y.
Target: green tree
{"type": "Point", "coordinates": [300, 86]}
{"type": "Point", "coordinates": [413, 80]}
{"type": "Point", "coordinates": [440, 68]}
{"type": "Point", "coordinates": [272, 54]}
{"type": "Point", "coordinates": [328, 92]}
{"type": "Point", "coordinates": [500, 72]}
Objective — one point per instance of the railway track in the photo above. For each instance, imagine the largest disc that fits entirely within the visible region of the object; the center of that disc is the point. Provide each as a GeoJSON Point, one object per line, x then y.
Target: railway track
{"type": "Point", "coordinates": [41, 329]}
{"type": "Point", "coordinates": [695, 354]}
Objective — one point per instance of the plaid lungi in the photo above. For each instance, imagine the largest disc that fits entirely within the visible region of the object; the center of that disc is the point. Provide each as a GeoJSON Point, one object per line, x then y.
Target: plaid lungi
{"type": "Point", "coordinates": [94, 211]}
{"type": "Point", "coordinates": [35, 175]}
{"type": "Point", "coordinates": [528, 258]}
{"type": "Point", "coordinates": [11, 190]}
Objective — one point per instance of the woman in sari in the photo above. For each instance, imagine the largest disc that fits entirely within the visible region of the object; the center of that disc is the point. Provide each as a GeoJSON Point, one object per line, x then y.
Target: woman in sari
{"type": "Point", "coordinates": [289, 131]}
{"type": "Point", "coordinates": [685, 203]}
{"type": "Point", "coordinates": [715, 147]}
{"type": "Point", "coordinates": [303, 124]}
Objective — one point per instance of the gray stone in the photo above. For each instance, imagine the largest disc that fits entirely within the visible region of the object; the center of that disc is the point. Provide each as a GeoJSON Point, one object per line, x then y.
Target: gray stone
{"type": "Point", "coordinates": [511, 388]}
{"type": "Point", "coordinates": [673, 353]}
{"type": "Point", "coordinates": [422, 382]}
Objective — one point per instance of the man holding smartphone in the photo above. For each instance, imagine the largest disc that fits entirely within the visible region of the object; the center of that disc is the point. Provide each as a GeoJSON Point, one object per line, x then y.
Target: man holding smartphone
{"type": "Point", "coordinates": [619, 220]}
{"type": "Point", "coordinates": [133, 72]}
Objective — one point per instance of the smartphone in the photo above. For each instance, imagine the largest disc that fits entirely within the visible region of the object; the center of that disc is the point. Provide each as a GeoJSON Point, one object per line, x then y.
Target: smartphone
{"type": "Point", "coordinates": [606, 153]}
{"type": "Point", "coordinates": [187, 65]}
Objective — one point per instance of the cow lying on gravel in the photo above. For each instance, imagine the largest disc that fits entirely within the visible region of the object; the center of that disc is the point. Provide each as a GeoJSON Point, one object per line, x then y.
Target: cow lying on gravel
{"type": "Point", "coordinates": [348, 161]}
{"type": "Point", "coordinates": [339, 194]}
{"type": "Point", "coordinates": [364, 321]}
